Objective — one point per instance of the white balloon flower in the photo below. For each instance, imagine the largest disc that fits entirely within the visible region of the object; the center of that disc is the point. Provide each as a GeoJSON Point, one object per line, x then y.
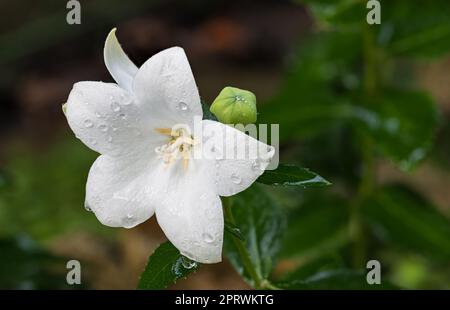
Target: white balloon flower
{"type": "Point", "coordinates": [151, 160]}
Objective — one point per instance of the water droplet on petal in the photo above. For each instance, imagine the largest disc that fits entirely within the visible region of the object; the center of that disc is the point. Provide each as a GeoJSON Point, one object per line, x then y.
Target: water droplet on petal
{"type": "Point", "coordinates": [208, 238]}
{"type": "Point", "coordinates": [88, 123]}
{"type": "Point", "coordinates": [109, 139]}
{"type": "Point", "coordinates": [115, 106]}
{"type": "Point", "coordinates": [122, 115]}
{"type": "Point", "coordinates": [98, 115]}
{"type": "Point", "coordinates": [103, 127]}
{"type": "Point", "coordinates": [87, 207]}
{"type": "Point", "coordinates": [182, 106]}
{"type": "Point", "coordinates": [236, 179]}
{"type": "Point", "coordinates": [256, 166]}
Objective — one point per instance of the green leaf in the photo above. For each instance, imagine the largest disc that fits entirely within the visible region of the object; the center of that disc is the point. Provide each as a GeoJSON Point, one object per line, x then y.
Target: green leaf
{"type": "Point", "coordinates": [402, 124]}
{"type": "Point", "coordinates": [318, 226]}
{"type": "Point", "coordinates": [290, 175]}
{"type": "Point", "coordinates": [165, 266]}
{"type": "Point", "coordinates": [339, 279]}
{"type": "Point", "coordinates": [262, 223]}
{"type": "Point", "coordinates": [402, 31]}
{"type": "Point", "coordinates": [401, 217]}
{"type": "Point", "coordinates": [310, 268]}
{"type": "Point", "coordinates": [408, 33]}
{"type": "Point", "coordinates": [207, 113]}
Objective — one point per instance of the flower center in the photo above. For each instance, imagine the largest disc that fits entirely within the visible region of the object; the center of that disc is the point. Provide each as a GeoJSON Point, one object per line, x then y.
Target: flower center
{"type": "Point", "coordinates": [179, 145]}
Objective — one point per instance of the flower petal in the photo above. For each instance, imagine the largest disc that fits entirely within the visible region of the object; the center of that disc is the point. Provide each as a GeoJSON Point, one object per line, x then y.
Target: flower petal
{"type": "Point", "coordinates": [108, 120]}
{"type": "Point", "coordinates": [190, 214]}
{"type": "Point", "coordinates": [235, 160]}
{"type": "Point", "coordinates": [119, 191]}
{"type": "Point", "coordinates": [119, 65]}
{"type": "Point", "coordinates": [166, 83]}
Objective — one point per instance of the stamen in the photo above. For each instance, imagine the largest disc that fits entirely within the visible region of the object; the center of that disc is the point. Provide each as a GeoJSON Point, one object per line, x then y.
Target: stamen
{"type": "Point", "coordinates": [164, 131]}
{"type": "Point", "coordinates": [180, 143]}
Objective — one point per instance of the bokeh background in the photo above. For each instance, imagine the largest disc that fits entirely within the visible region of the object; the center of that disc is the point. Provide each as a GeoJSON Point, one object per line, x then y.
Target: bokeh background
{"type": "Point", "coordinates": [302, 60]}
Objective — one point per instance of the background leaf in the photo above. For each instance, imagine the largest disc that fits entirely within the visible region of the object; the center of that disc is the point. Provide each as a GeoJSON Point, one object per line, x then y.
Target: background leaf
{"type": "Point", "coordinates": [290, 175]}
{"type": "Point", "coordinates": [406, 220]}
{"type": "Point", "coordinates": [339, 279]}
{"type": "Point", "coordinates": [262, 223]}
{"type": "Point", "coordinates": [401, 123]}
{"type": "Point", "coordinates": [318, 226]}
{"type": "Point", "coordinates": [165, 266]}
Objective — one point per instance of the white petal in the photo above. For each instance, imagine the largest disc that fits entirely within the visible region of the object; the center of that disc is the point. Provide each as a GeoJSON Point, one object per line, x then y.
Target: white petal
{"type": "Point", "coordinates": [119, 190]}
{"type": "Point", "coordinates": [108, 120]}
{"type": "Point", "coordinates": [119, 65]}
{"type": "Point", "coordinates": [235, 160]}
{"type": "Point", "coordinates": [190, 214]}
{"type": "Point", "coordinates": [165, 82]}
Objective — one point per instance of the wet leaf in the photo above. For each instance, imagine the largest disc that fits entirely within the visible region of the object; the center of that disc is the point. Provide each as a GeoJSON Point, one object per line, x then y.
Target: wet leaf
{"type": "Point", "coordinates": [290, 175]}
{"type": "Point", "coordinates": [164, 267]}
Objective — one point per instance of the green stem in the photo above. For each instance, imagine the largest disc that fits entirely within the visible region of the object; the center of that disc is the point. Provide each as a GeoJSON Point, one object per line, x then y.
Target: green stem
{"type": "Point", "coordinates": [242, 250]}
{"type": "Point", "coordinates": [366, 186]}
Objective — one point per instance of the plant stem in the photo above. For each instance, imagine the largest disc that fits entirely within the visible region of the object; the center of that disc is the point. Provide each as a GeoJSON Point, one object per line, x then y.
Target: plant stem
{"type": "Point", "coordinates": [367, 183]}
{"type": "Point", "coordinates": [242, 250]}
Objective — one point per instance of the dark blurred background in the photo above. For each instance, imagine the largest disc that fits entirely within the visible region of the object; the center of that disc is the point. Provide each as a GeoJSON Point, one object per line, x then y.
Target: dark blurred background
{"type": "Point", "coordinates": [248, 44]}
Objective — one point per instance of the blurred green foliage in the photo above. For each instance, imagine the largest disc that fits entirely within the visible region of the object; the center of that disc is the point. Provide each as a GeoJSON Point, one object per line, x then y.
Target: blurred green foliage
{"type": "Point", "coordinates": [348, 105]}
{"type": "Point", "coordinates": [45, 194]}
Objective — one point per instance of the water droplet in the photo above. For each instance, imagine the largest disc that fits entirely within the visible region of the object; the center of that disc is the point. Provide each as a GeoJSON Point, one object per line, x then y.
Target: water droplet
{"type": "Point", "coordinates": [98, 115]}
{"type": "Point", "coordinates": [123, 116]}
{"type": "Point", "coordinates": [87, 207]}
{"type": "Point", "coordinates": [92, 141]}
{"type": "Point", "coordinates": [188, 263]}
{"type": "Point", "coordinates": [182, 106]}
{"type": "Point", "coordinates": [208, 238]}
{"type": "Point", "coordinates": [126, 102]}
{"type": "Point", "coordinates": [88, 123]}
{"type": "Point", "coordinates": [115, 106]}
{"type": "Point", "coordinates": [256, 166]}
{"type": "Point", "coordinates": [109, 139]}
{"type": "Point", "coordinates": [103, 127]}
{"type": "Point", "coordinates": [114, 128]}
{"type": "Point", "coordinates": [129, 216]}
{"type": "Point", "coordinates": [235, 179]}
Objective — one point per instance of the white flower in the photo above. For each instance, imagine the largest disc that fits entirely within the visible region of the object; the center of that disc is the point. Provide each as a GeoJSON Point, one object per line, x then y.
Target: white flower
{"type": "Point", "coordinates": [141, 128]}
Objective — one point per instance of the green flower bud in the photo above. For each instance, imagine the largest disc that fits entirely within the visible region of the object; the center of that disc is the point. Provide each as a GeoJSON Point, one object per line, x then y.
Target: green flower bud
{"type": "Point", "coordinates": [64, 108]}
{"type": "Point", "coordinates": [235, 106]}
